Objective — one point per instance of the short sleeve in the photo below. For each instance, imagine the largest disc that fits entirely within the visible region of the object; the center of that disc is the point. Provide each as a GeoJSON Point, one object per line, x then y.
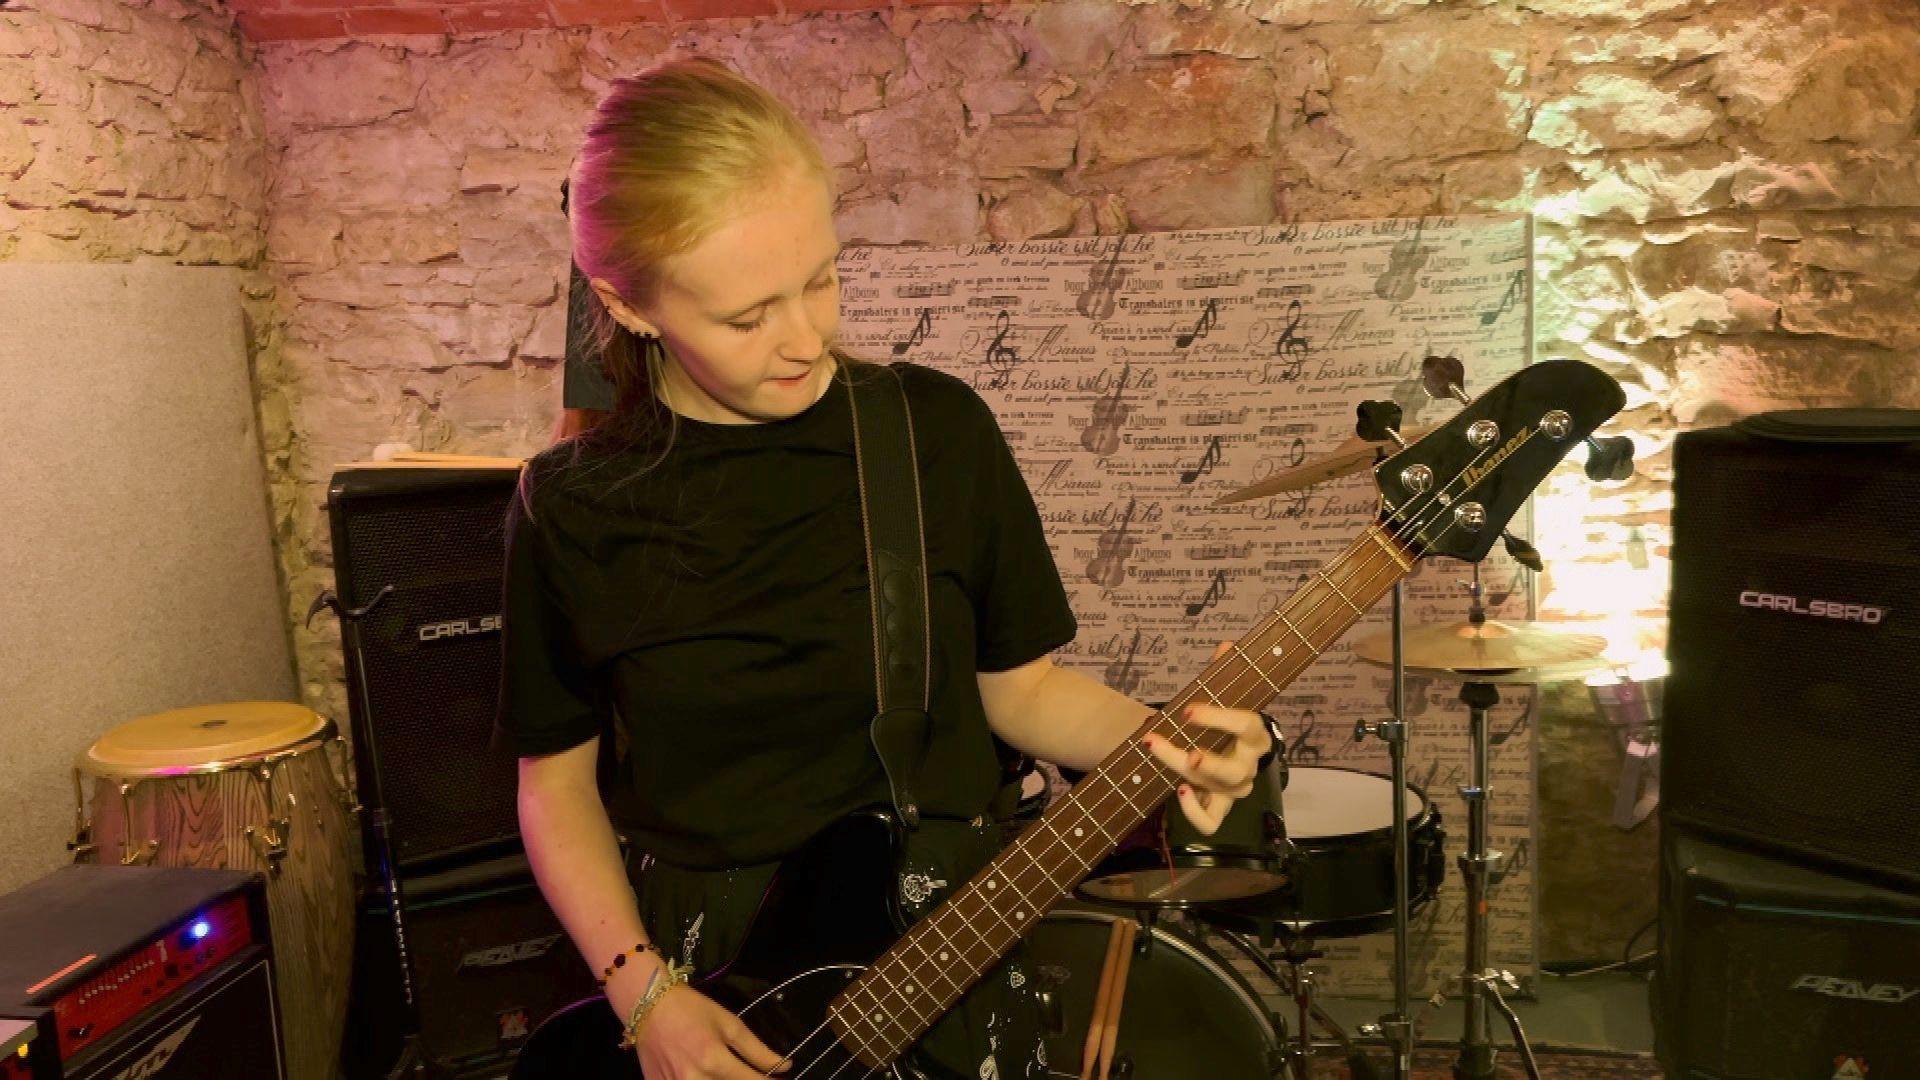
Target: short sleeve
{"type": "Point", "coordinates": [1020, 606]}
{"type": "Point", "coordinates": [549, 699]}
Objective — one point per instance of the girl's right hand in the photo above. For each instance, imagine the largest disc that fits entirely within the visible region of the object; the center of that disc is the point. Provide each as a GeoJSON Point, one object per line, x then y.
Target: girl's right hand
{"type": "Point", "coordinates": [688, 1036]}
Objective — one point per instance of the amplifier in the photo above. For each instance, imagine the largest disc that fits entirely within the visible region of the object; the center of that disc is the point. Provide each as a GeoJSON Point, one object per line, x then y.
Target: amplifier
{"type": "Point", "coordinates": [148, 972]}
{"type": "Point", "coordinates": [1772, 971]}
{"type": "Point", "coordinates": [489, 962]}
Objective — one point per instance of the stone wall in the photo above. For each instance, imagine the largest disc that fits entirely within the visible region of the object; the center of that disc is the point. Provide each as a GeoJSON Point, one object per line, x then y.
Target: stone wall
{"type": "Point", "coordinates": [129, 132]}
{"type": "Point", "coordinates": [1726, 195]}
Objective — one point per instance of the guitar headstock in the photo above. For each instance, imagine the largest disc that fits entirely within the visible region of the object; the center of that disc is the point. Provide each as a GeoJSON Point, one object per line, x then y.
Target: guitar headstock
{"type": "Point", "coordinates": [1453, 492]}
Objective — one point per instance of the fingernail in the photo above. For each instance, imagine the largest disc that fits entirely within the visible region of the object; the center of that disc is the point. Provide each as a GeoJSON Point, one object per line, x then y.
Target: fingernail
{"type": "Point", "coordinates": [1186, 713]}
{"type": "Point", "coordinates": [1193, 760]}
{"type": "Point", "coordinates": [1185, 790]}
{"type": "Point", "coordinates": [1146, 741]}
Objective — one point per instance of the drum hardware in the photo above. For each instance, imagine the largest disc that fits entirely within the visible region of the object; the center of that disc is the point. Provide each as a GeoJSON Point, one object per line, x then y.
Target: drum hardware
{"type": "Point", "coordinates": [1297, 982]}
{"type": "Point", "coordinates": [1484, 654]}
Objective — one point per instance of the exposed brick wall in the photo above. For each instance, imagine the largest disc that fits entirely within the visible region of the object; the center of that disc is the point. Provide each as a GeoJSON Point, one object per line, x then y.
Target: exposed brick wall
{"type": "Point", "coordinates": [288, 20]}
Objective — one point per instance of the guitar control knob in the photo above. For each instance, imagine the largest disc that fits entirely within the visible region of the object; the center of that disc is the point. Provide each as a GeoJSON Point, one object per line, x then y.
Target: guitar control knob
{"type": "Point", "coordinates": [1470, 516]}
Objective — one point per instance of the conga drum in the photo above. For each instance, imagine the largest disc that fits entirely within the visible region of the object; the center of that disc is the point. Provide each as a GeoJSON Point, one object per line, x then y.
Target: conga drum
{"type": "Point", "coordinates": [248, 786]}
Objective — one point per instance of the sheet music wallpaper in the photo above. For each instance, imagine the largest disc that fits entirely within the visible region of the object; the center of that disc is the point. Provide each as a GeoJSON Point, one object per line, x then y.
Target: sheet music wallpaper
{"type": "Point", "coordinates": [1139, 378]}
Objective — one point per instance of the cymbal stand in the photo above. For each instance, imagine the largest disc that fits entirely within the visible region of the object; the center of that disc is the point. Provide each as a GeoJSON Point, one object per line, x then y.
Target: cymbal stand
{"type": "Point", "coordinates": [1396, 1027]}
{"type": "Point", "coordinates": [1481, 868]}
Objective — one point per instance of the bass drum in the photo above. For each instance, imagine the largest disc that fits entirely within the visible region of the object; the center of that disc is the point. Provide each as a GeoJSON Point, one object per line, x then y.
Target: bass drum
{"type": "Point", "coordinates": [1186, 1013]}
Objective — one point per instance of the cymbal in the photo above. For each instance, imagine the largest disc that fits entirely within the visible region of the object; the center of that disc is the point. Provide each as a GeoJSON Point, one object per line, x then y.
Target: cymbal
{"type": "Point", "coordinates": [1346, 459]}
{"type": "Point", "coordinates": [1489, 650]}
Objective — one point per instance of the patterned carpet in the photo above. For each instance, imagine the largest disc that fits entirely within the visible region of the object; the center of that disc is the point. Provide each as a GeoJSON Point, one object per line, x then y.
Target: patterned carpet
{"type": "Point", "coordinates": [1437, 1064]}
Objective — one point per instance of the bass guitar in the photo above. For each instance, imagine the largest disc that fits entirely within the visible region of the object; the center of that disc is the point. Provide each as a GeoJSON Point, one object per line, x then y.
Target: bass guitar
{"type": "Point", "coordinates": [828, 973]}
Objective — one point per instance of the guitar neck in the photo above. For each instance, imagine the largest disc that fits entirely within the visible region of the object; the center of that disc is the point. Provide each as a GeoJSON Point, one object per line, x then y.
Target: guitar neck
{"type": "Point", "coordinates": [893, 1003]}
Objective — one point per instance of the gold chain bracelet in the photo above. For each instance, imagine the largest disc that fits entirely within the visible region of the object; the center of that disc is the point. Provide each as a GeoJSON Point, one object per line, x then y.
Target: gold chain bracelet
{"type": "Point", "coordinates": [675, 975]}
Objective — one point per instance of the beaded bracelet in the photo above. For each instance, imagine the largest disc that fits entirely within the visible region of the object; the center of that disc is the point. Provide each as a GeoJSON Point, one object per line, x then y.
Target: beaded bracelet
{"type": "Point", "coordinates": [620, 961]}
{"type": "Point", "coordinates": [675, 975]}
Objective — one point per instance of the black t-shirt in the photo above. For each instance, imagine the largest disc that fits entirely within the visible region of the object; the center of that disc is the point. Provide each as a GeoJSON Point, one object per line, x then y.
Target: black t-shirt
{"type": "Point", "coordinates": [718, 604]}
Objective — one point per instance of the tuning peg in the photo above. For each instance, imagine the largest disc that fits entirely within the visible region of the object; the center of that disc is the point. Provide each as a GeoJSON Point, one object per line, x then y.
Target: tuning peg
{"type": "Point", "coordinates": [1443, 377]}
{"type": "Point", "coordinates": [1523, 553]}
{"type": "Point", "coordinates": [1609, 458]}
{"type": "Point", "coordinates": [1378, 421]}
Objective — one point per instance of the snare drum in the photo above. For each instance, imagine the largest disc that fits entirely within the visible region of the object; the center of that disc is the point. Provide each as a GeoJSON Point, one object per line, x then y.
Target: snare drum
{"type": "Point", "coordinates": [1187, 1012]}
{"type": "Point", "coordinates": [1242, 859]}
{"type": "Point", "coordinates": [247, 786]}
{"type": "Point", "coordinates": [1340, 822]}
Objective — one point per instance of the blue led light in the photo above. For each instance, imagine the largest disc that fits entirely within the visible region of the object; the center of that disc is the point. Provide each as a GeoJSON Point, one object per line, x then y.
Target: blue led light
{"type": "Point", "coordinates": [201, 929]}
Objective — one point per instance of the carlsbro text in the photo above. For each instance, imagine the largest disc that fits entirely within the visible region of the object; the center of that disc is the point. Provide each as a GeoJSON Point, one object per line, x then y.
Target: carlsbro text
{"type": "Point", "coordinates": [1867, 614]}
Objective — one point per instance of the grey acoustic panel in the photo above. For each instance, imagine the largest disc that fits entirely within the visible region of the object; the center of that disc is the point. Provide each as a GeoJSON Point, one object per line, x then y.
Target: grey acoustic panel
{"type": "Point", "coordinates": [136, 557]}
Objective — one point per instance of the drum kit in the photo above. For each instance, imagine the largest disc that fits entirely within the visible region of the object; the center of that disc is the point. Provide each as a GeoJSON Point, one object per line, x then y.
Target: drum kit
{"type": "Point", "coordinates": [1312, 854]}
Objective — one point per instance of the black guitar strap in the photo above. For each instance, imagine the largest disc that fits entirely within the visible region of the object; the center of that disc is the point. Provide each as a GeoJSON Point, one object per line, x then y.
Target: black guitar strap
{"type": "Point", "coordinates": [897, 576]}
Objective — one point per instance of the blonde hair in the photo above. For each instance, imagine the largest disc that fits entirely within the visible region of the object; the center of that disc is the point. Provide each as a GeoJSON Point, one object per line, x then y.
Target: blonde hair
{"type": "Point", "coordinates": [669, 155]}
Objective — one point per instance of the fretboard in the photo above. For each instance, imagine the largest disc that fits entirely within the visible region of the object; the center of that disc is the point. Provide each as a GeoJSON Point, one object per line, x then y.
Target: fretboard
{"type": "Point", "coordinates": [893, 1003]}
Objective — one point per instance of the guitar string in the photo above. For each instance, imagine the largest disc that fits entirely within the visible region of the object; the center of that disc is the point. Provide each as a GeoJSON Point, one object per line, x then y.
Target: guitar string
{"type": "Point", "coordinates": [1408, 528]}
{"type": "Point", "coordinates": [1013, 880]}
{"type": "Point", "coordinates": [1021, 844]}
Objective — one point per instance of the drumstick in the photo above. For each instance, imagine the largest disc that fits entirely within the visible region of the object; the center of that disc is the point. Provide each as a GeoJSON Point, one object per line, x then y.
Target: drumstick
{"type": "Point", "coordinates": [1096, 1019]}
{"type": "Point", "coordinates": [1116, 996]}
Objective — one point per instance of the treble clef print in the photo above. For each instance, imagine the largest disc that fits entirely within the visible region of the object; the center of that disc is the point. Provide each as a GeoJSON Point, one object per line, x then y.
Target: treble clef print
{"type": "Point", "coordinates": [1290, 346]}
{"type": "Point", "coordinates": [1001, 358]}
{"type": "Point", "coordinates": [1302, 750]}
{"type": "Point", "coordinates": [919, 334]}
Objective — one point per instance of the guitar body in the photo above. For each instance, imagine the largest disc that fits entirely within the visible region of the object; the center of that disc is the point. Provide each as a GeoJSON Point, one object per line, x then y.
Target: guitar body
{"type": "Point", "coordinates": [830, 910]}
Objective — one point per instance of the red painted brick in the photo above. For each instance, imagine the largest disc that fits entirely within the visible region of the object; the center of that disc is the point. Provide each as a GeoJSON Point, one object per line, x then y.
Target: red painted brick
{"type": "Point", "coordinates": [606, 12]}
{"type": "Point", "coordinates": [288, 25]}
{"type": "Point", "coordinates": [722, 9]}
{"type": "Point", "coordinates": [373, 20]}
{"type": "Point", "coordinates": [504, 15]}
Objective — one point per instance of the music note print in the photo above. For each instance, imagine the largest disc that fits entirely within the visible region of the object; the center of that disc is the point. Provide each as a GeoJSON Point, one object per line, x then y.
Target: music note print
{"type": "Point", "coordinates": [920, 331]}
{"type": "Point", "coordinates": [1212, 596]}
{"type": "Point", "coordinates": [1518, 727]}
{"type": "Point", "coordinates": [1208, 318]}
{"type": "Point", "coordinates": [1507, 299]}
{"type": "Point", "coordinates": [1522, 855]}
{"type": "Point", "coordinates": [1207, 461]}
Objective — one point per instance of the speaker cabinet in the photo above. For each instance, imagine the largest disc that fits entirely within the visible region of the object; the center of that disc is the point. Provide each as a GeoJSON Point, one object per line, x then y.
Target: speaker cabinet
{"type": "Point", "coordinates": [1793, 704]}
{"type": "Point", "coordinates": [419, 554]}
{"type": "Point", "coordinates": [490, 962]}
{"type": "Point", "coordinates": [1771, 970]}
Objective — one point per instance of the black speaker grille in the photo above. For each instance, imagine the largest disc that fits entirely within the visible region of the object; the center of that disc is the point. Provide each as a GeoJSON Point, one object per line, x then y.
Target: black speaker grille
{"type": "Point", "coordinates": [1787, 726]}
{"type": "Point", "coordinates": [427, 684]}
{"type": "Point", "coordinates": [1769, 970]}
